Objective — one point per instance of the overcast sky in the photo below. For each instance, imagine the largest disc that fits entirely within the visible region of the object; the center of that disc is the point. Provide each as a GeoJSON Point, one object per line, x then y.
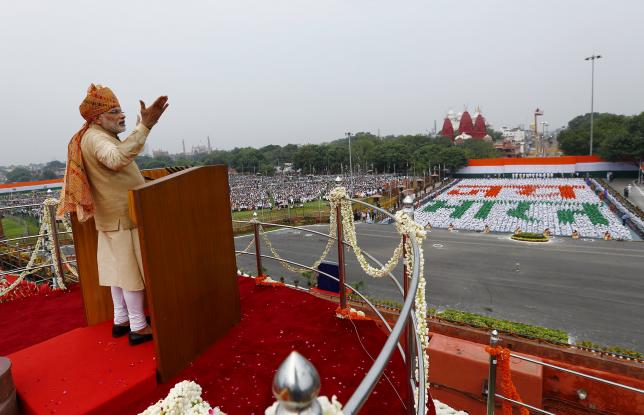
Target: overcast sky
{"type": "Point", "coordinates": [252, 73]}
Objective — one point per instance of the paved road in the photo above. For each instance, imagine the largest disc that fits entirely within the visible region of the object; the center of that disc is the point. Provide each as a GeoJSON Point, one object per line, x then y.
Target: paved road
{"type": "Point", "coordinates": [636, 195]}
{"type": "Point", "coordinates": [592, 289]}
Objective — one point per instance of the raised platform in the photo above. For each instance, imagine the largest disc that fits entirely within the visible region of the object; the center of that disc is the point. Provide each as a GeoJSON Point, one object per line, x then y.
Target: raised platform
{"type": "Point", "coordinates": [85, 371]}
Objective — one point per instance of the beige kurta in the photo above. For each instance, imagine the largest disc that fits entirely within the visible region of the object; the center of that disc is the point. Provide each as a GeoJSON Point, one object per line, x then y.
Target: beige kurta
{"type": "Point", "coordinates": [112, 172]}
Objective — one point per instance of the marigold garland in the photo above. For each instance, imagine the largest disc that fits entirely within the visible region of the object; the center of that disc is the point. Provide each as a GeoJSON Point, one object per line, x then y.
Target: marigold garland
{"type": "Point", "coordinates": [266, 281]}
{"type": "Point", "coordinates": [507, 386]}
{"type": "Point", "coordinates": [350, 314]}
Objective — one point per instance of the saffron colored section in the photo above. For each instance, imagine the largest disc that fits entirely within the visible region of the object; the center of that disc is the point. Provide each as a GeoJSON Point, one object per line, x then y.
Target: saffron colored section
{"type": "Point", "coordinates": [534, 161]}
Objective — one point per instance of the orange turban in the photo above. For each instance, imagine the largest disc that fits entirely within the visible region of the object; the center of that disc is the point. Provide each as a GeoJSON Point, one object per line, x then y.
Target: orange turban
{"type": "Point", "coordinates": [76, 195]}
{"type": "Point", "coordinates": [99, 99]}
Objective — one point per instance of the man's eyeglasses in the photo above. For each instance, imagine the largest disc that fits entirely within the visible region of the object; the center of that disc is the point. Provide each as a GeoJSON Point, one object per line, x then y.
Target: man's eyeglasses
{"type": "Point", "coordinates": [115, 111]}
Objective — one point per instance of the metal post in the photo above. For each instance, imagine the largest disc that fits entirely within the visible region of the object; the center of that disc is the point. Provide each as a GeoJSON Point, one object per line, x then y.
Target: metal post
{"type": "Point", "coordinates": [350, 168]}
{"type": "Point", "coordinates": [592, 96]}
{"type": "Point", "coordinates": [491, 379]}
{"type": "Point", "coordinates": [341, 270]}
{"type": "Point", "coordinates": [55, 242]}
{"type": "Point", "coordinates": [258, 253]}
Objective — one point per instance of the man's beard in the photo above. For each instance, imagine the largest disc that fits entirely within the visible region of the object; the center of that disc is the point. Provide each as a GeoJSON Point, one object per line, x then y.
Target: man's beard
{"type": "Point", "coordinates": [115, 128]}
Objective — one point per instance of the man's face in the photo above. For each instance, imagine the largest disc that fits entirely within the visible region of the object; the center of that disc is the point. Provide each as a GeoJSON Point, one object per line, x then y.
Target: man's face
{"type": "Point", "coordinates": [112, 120]}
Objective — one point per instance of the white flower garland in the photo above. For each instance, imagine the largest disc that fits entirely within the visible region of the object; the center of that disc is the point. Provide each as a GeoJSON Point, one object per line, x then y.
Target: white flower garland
{"type": "Point", "coordinates": [51, 228]}
{"type": "Point", "coordinates": [329, 407]}
{"type": "Point", "coordinates": [339, 197]}
{"type": "Point", "coordinates": [184, 399]}
{"type": "Point", "coordinates": [405, 225]}
{"type": "Point", "coordinates": [325, 253]}
{"type": "Point", "coordinates": [252, 240]}
{"type": "Point", "coordinates": [46, 227]}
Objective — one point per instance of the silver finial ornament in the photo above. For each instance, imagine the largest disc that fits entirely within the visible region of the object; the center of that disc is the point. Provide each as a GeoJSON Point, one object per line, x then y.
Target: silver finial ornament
{"type": "Point", "coordinates": [296, 386]}
{"type": "Point", "coordinates": [408, 205]}
{"type": "Point", "coordinates": [338, 180]}
{"type": "Point", "coordinates": [494, 338]}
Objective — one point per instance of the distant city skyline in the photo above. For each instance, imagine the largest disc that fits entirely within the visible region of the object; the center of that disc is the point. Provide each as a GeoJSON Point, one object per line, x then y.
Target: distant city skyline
{"type": "Point", "coordinates": [253, 73]}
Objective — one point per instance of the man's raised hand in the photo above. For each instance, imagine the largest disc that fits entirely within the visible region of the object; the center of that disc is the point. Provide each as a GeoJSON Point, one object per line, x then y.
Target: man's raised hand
{"type": "Point", "coordinates": [150, 116]}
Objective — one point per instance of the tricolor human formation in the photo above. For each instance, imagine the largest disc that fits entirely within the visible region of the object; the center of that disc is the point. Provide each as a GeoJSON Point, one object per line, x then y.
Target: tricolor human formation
{"type": "Point", "coordinates": [532, 205]}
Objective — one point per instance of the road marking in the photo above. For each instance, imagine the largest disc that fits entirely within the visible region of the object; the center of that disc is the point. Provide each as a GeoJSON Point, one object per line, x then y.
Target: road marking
{"type": "Point", "coordinates": [437, 245]}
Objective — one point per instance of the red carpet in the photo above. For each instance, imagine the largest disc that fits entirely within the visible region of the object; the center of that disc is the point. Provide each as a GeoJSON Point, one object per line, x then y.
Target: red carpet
{"type": "Point", "coordinates": [84, 371]}
{"type": "Point", "coordinates": [76, 372]}
{"type": "Point", "coordinates": [237, 372]}
{"type": "Point", "coordinates": [35, 319]}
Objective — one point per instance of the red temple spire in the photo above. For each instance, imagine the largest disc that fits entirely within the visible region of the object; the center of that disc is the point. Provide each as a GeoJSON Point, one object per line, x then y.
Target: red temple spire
{"type": "Point", "coordinates": [466, 124]}
{"type": "Point", "coordinates": [479, 131]}
{"type": "Point", "coordinates": [448, 129]}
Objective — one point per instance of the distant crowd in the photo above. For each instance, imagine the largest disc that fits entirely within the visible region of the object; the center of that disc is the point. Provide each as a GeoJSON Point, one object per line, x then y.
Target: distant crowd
{"type": "Point", "coordinates": [23, 202]}
{"type": "Point", "coordinates": [250, 192]}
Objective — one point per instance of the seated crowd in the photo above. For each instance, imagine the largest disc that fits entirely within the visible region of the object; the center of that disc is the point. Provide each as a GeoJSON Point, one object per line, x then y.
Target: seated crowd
{"type": "Point", "coordinates": [256, 192]}
{"type": "Point", "coordinates": [561, 207]}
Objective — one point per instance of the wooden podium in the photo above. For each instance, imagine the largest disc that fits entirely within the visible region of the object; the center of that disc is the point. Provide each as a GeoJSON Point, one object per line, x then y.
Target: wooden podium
{"type": "Point", "coordinates": [187, 248]}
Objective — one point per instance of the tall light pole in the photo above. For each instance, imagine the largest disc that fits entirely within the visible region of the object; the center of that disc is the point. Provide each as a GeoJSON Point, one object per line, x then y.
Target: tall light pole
{"type": "Point", "coordinates": [350, 167]}
{"type": "Point", "coordinates": [592, 96]}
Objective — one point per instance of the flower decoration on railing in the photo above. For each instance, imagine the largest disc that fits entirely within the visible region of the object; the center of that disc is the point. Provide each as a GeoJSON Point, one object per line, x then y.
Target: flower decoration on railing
{"type": "Point", "coordinates": [507, 385]}
{"type": "Point", "coordinates": [183, 399]}
{"type": "Point", "coordinates": [405, 225]}
{"type": "Point", "coordinates": [350, 314]}
{"type": "Point", "coordinates": [266, 281]}
{"type": "Point", "coordinates": [44, 240]}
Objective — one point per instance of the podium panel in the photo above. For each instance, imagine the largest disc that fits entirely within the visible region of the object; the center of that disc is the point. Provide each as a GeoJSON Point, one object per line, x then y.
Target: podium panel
{"type": "Point", "coordinates": [185, 231]}
{"type": "Point", "coordinates": [96, 299]}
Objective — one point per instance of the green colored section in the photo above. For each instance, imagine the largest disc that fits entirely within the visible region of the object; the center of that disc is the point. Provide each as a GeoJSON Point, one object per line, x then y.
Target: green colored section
{"type": "Point", "coordinates": [459, 210]}
{"type": "Point", "coordinates": [520, 211]}
{"type": "Point", "coordinates": [433, 207]}
{"type": "Point", "coordinates": [593, 212]}
{"type": "Point", "coordinates": [590, 210]}
{"type": "Point", "coordinates": [567, 215]}
{"type": "Point", "coordinates": [484, 210]}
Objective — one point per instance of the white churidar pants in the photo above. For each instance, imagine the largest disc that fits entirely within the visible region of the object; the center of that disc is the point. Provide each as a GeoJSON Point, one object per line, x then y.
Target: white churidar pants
{"type": "Point", "coordinates": [129, 305]}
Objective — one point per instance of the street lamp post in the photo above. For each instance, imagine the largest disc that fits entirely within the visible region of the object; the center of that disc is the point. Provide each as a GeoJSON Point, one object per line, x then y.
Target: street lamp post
{"type": "Point", "coordinates": [350, 167]}
{"type": "Point", "coordinates": [592, 96]}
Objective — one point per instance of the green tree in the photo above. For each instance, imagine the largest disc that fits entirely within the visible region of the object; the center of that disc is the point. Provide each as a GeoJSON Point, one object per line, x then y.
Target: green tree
{"type": "Point", "coordinates": [48, 174]}
{"type": "Point", "coordinates": [20, 174]}
{"type": "Point", "coordinates": [479, 149]}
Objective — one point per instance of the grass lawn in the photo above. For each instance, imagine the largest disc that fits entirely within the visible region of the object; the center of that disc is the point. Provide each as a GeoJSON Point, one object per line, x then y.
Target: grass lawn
{"type": "Point", "coordinates": [15, 226]}
{"type": "Point", "coordinates": [310, 209]}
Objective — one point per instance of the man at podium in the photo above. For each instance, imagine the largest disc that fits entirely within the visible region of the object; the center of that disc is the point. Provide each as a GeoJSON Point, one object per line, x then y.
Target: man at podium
{"type": "Point", "coordinates": [100, 171]}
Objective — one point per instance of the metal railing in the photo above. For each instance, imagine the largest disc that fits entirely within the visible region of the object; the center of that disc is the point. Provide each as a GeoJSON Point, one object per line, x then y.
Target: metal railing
{"type": "Point", "coordinates": [406, 321]}
{"type": "Point", "coordinates": [56, 255]}
{"type": "Point", "coordinates": [490, 390]}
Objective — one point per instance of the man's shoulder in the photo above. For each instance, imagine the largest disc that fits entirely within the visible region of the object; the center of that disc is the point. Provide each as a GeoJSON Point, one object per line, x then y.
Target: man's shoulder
{"type": "Point", "coordinates": [95, 134]}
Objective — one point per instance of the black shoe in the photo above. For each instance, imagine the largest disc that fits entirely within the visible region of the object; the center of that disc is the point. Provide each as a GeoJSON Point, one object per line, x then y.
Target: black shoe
{"type": "Point", "coordinates": [120, 331]}
{"type": "Point", "coordinates": [138, 338]}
